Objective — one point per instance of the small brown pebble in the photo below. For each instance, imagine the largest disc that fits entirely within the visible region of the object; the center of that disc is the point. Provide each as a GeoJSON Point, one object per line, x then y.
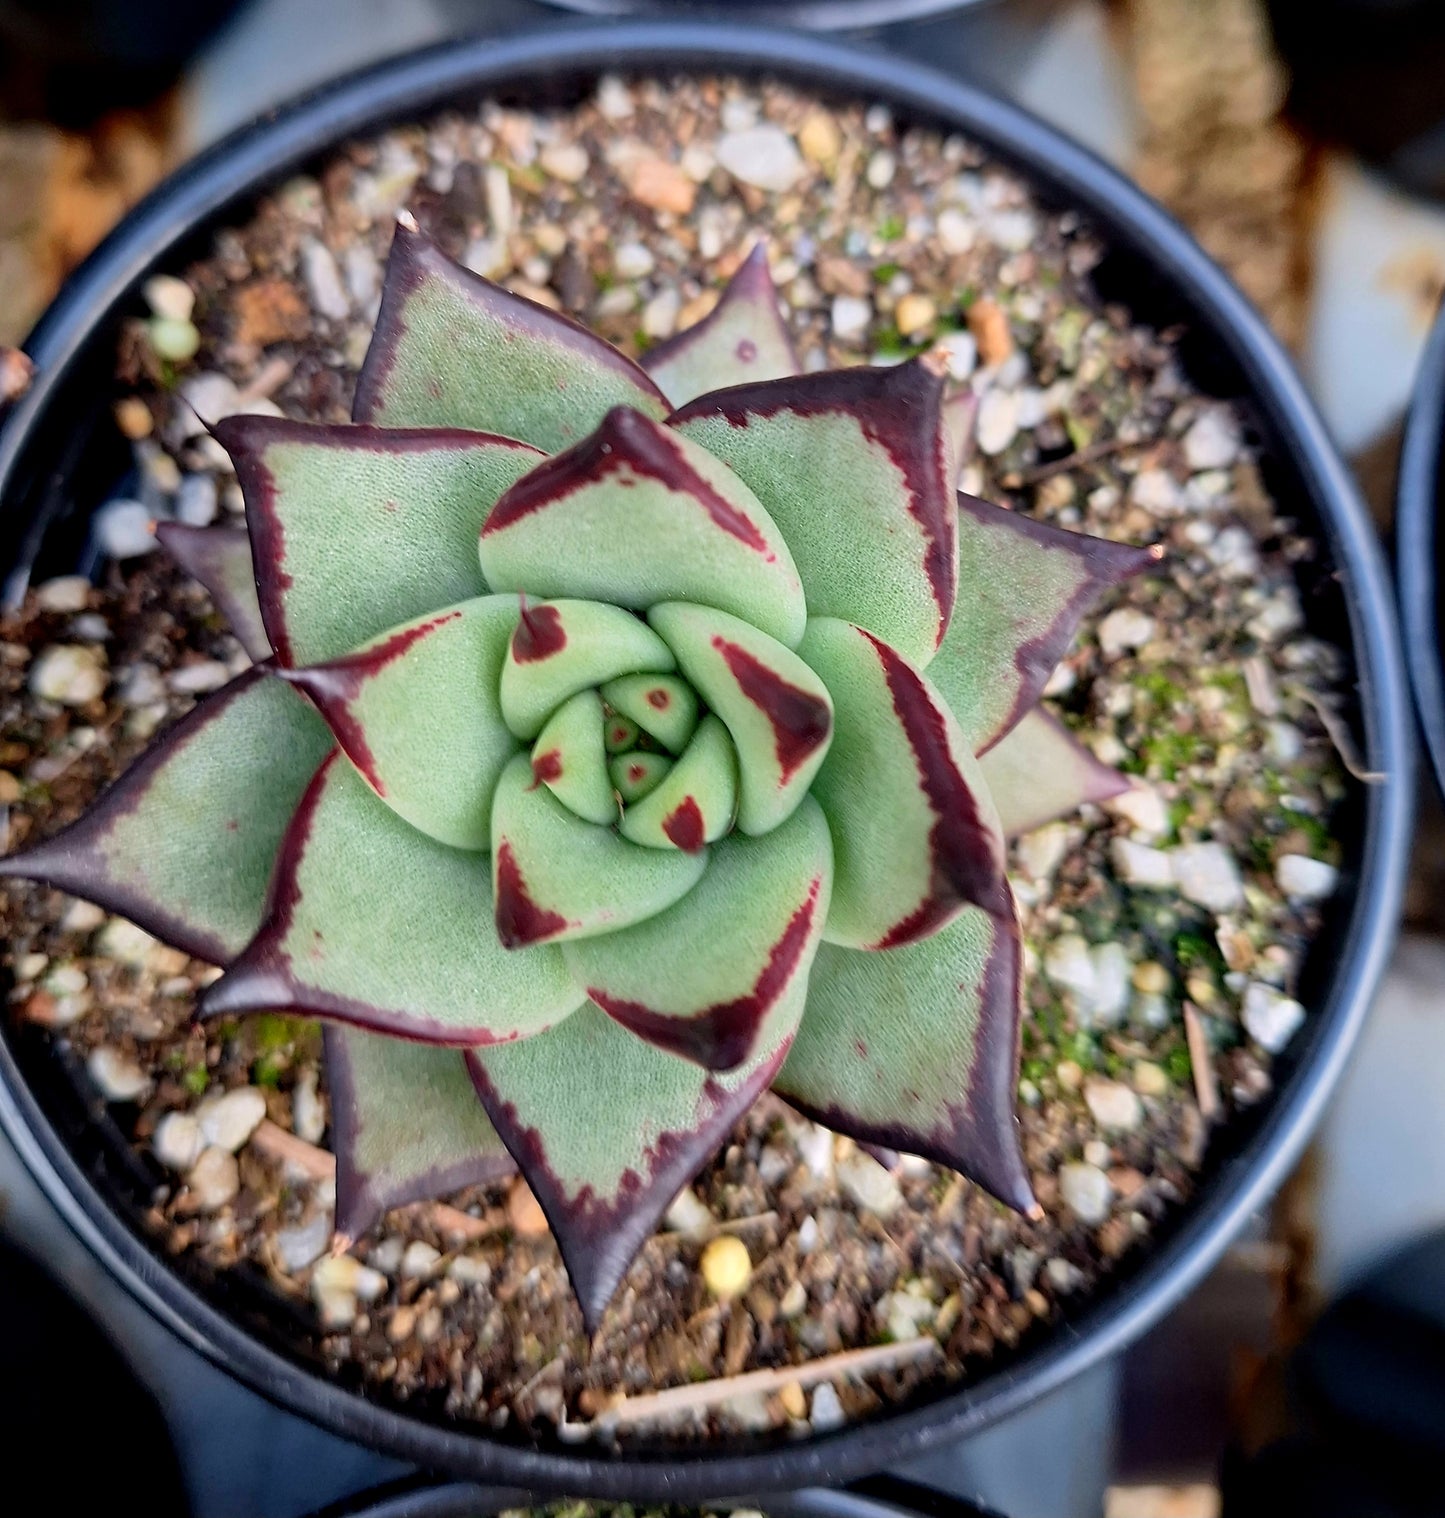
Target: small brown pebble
{"type": "Point", "coordinates": [524, 1213]}
{"type": "Point", "coordinates": [402, 1324]}
{"type": "Point", "coordinates": [794, 1400]}
{"type": "Point", "coordinates": [269, 311]}
{"type": "Point", "coordinates": [9, 788]}
{"type": "Point", "coordinates": [133, 417]}
{"type": "Point", "coordinates": [660, 185]}
{"type": "Point", "coordinates": [16, 372]}
{"type": "Point", "coordinates": [990, 329]}
{"type": "Point", "coordinates": [841, 276]}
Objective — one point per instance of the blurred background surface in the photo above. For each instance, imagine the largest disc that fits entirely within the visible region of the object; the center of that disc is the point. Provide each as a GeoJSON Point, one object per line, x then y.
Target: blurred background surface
{"type": "Point", "coordinates": [1303, 142]}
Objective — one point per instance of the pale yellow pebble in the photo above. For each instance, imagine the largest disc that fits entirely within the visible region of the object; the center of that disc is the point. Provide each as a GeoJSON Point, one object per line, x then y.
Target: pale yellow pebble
{"type": "Point", "coordinates": [795, 1403]}
{"type": "Point", "coordinates": [1151, 978]}
{"type": "Point", "coordinates": [914, 314]}
{"type": "Point", "coordinates": [726, 1267]}
{"type": "Point", "coordinates": [820, 139]}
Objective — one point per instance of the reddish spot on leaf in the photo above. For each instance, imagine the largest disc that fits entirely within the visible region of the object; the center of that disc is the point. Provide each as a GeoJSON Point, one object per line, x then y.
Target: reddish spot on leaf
{"type": "Point", "coordinates": [520, 921]}
{"type": "Point", "coordinates": [658, 698]}
{"type": "Point", "coordinates": [539, 634]}
{"type": "Point", "coordinates": [684, 826]}
{"type": "Point", "coordinates": [720, 1037]}
{"type": "Point", "coordinates": [747, 350]}
{"type": "Point", "coordinates": [861, 1047]}
{"type": "Point", "coordinates": [636, 773]}
{"type": "Point", "coordinates": [800, 720]}
{"type": "Point", "coordinates": [390, 506]}
{"type": "Point", "coordinates": [546, 767]}
{"type": "Point", "coordinates": [232, 826]}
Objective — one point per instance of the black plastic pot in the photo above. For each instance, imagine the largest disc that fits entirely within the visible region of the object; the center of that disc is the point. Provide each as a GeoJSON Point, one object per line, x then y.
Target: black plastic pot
{"type": "Point", "coordinates": [47, 448]}
{"type": "Point", "coordinates": [1419, 503]}
{"type": "Point", "coordinates": [816, 15]}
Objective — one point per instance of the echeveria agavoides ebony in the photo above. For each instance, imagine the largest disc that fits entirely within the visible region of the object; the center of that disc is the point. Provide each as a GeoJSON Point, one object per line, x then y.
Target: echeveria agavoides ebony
{"type": "Point", "coordinates": [626, 740]}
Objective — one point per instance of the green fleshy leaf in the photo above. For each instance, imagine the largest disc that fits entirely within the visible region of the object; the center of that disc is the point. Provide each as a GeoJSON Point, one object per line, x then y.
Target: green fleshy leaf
{"type": "Point", "coordinates": [1029, 585]}
{"type": "Point", "coordinates": [636, 514]}
{"type": "Point", "coordinates": [406, 1125]}
{"type": "Point", "coordinates": [416, 711]}
{"type": "Point", "coordinates": [777, 711]}
{"type": "Point", "coordinates": [702, 978]}
{"type": "Point", "coordinates": [359, 529]}
{"type": "Point", "coordinates": [1041, 771]}
{"type": "Point", "coordinates": [453, 350]}
{"type": "Point", "coordinates": [561, 647]}
{"type": "Point", "coordinates": [620, 734]}
{"type": "Point", "coordinates": [220, 558]}
{"type": "Point", "coordinates": [637, 774]}
{"type": "Point", "coordinates": [184, 842]}
{"type": "Point", "coordinates": [937, 1075]}
{"type": "Point", "coordinates": [916, 834]}
{"type": "Point", "coordinates": [663, 706]}
{"type": "Point", "coordinates": [742, 340]}
{"type": "Point", "coordinates": [607, 1130]}
{"type": "Point", "coordinates": [374, 924]}
{"type": "Point", "coordinates": [559, 877]}
{"type": "Point", "coordinates": [697, 799]}
{"type": "Point", "coordinates": [569, 758]}
{"type": "Point", "coordinates": [853, 465]}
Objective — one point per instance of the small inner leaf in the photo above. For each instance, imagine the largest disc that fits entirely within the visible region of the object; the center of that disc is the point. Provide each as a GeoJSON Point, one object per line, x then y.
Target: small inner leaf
{"type": "Point", "coordinates": [637, 774]}
{"type": "Point", "coordinates": [570, 759]}
{"type": "Point", "coordinates": [663, 706]}
{"type": "Point", "coordinates": [696, 802]}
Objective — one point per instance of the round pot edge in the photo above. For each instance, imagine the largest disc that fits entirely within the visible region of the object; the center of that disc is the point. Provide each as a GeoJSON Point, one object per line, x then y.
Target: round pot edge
{"type": "Point", "coordinates": [1417, 502]}
{"type": "Point", "coordinates": [418, 82]}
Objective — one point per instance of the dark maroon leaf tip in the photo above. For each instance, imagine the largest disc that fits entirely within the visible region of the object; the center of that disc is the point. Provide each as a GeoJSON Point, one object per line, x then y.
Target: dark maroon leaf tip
{"type": "Point", "coordinates": [520, 921]}
{"type": "Point", "coordinates": [801, 721]}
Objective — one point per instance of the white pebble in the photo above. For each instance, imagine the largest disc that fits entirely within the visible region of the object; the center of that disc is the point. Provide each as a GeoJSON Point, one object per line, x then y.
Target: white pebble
{"type": "Point", "coordinates": [1155, 491]}
{"type": "Point", "coordinates": [762, 156]}
{"type": "Point", "coordinates": [308, 1115]}
{"type": "Point", "coordinates": [468, 1270]}
{"type": "Point", "coordinates": [1138, 865]}
{"type": "Point", "coordinates": [169, 297]}
{"type": "Point", "coordinates": [118, 1077]}
{"type": "Point", "coordinates": [904, 1316]}
{"type": "Point", "coordinates": [869, 1185]}
{"type": "Point", "coordinates": [1212, 442]}
{"type": "Point", "coordinates": [196, 679]}
{"type": "Point", "coordinates": [1115, 1106]}
{"type": "Point", "coordinates": [336, 1309]}
{"type": "Point", "coordinates": [1304, 879]}
{"type": "Point", "coordinates": [343, 1272]}
{"type": "Point", "coordinates": [323, 281]}
{"type": "Point", "coordinates": [65, 593]}
{"type": "Point", "coordinates": [362, 270]}
{"type": "Point", "coordinates": [91, 627]}
{"type": "Point", "coordinates": [197, 500]}
{"type": "Point", "coordinates": [214, 1180]}
{"type": "Point", "coordinates": [1086, 1191]}
{"type": "Point", "coordinates": [1042, 851]}
{"type": "Point", "coordinates": [177, 1141]}
{"type": "Point", "coordinates": [956, 231]}
{"type": "Point", "coordinates": [659, 315]}
{"type": "Point", "coordinates": [739, 113]}
{"type": "Point", "coordinates": [882, 166]}
{"type": "Point", "coordinates": [1278, 617]}
{"type": "Point", "coordinates": [851, 316]}
{"type": "Point", "coordinates": [1012, 230]}
{"type": "Point", "coordinates": [303, 1243]}
{"type": "Point", "coordinates": [614, 100]}
{"type": "Point", "coordinates": [419, 1261]}
{"type": "Point", "coordinates": [1271, 1017]}
{"type": "Point", "coordinates": [633, 261]}
{"type": "Point", "coordinates": [960, 353]}
{"type": "Point", "coordinates": [1113, 980]}
{"type": "Point", "coordinates": [687, 1214]}
{"type": "Point", "coordinates": [815, 1145]}
{"type": "Point", "coordinates": [386, 1257]}
{"type": "Point", "coordinates": [228, 1121]}
{"type": "Point", "coordinates": [1283, 742]}
{"type": "Point", "coordinates": [827, 1412]}
{"type": "Point", "coordinates": [125, 529]}
{"type": "Point", "coordinates": [566, 161]}
{"type": "Point", "coordinates": [1207, 875]}
{"type": "Point", "coordinates": [1124, 629]}
{"type": "Point", "coordinates": [807, 1235]}
{"type": "Point", "coordinates": [1063, 1276]}
{"type": "Point", "coordinates": [793, 1300]}
{"type": "Point", "coordinates": [69, 673]}
{"type": "Point", "coordinates": [1070, 966]}
{"type": "Point", "coordinates": [208, 397]}
{"type": "Point", "coordinates": [1144, 809]}
{"type": "Point", "coordinates": [82, 917]}
{"type": "Point", "coordinates": [998, 421]}
{"type": "Point", "coordinates": [121, 940]}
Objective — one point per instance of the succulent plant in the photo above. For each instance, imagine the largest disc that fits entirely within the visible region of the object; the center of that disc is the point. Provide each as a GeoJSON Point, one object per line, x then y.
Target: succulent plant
{"type": "Point", "coordinates": [624, 741]}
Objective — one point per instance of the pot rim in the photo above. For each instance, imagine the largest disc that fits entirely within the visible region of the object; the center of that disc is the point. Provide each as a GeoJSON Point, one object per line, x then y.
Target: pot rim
{"type": "Point", "coordinates": [815, 15]}
{"type": "Point", "coordinates": [1418, 499]}
{"type": "Point", "coordinates": [414, 85]}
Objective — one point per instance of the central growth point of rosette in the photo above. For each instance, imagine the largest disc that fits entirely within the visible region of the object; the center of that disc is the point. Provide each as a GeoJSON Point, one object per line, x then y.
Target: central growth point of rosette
{"type": "Point", "coordinates": [623, 741]}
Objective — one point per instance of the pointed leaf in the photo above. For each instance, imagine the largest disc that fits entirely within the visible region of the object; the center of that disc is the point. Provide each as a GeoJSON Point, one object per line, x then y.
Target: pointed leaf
{"type": "Point", "coordinates": [696, 800]}
{"type": "Point", "coordinates": [416, 710]}
{"type": "Point", "coordinates": [636, 514]}
{"type": "Point", "coordinates": [702, 978]}
{"type": "Point", "coordinates": [561, 647]}
{"type": "Point", "coordinates": [853, 466]}
{"type": "Point", "coordinates": [372, 923]}
{"type": "Point", "coordinates": [570, 759]}
{"type": "Point", "coordinates": [663, 706]}
{"type": "Point", "coordinates": [938, 1075]}
{"type": "Point", "coordinates": [1029, 584]}
{"type": "Point", "coordinates": [220, 558]}
{"type": "Point", "coordinates": [1041, 771]}
{"type": "Point", "coordinates": [743, 339]}
{"type": "Point", "coordinates": [776, 709]}
{"type": "Point", "coordinates": [637, 774]}
{"type": "Point", "coordinates": [454, 350]}
{"type": "Point", "coordinates": [607, 1130]}
{"type": "Point", "coordinates": [406, 1126]}
{"type": "Point", "coordinates": [184, 842]}
{"type": "Point", "coordinates": [916, 834]}
{"type": "Point", "coordinates": [358, 529]}
{"type": "Point", "coordinates": [559, 877]}
{"type": "Point", "coordinates": [960, 413]}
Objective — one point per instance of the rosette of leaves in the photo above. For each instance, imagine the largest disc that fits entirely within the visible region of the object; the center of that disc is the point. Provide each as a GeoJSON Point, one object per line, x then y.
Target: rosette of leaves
{"type": "Point", "coordinates": [623, 741]}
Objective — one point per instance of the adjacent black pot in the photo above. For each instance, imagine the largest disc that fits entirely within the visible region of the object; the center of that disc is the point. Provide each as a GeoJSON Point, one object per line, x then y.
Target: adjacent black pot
{"type": "Point", "coordinates": [1419, 504]}
{"type": "Point", "coordinates": [816, 15]}
{"type": "Point", "coordinates": [49, 445]}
